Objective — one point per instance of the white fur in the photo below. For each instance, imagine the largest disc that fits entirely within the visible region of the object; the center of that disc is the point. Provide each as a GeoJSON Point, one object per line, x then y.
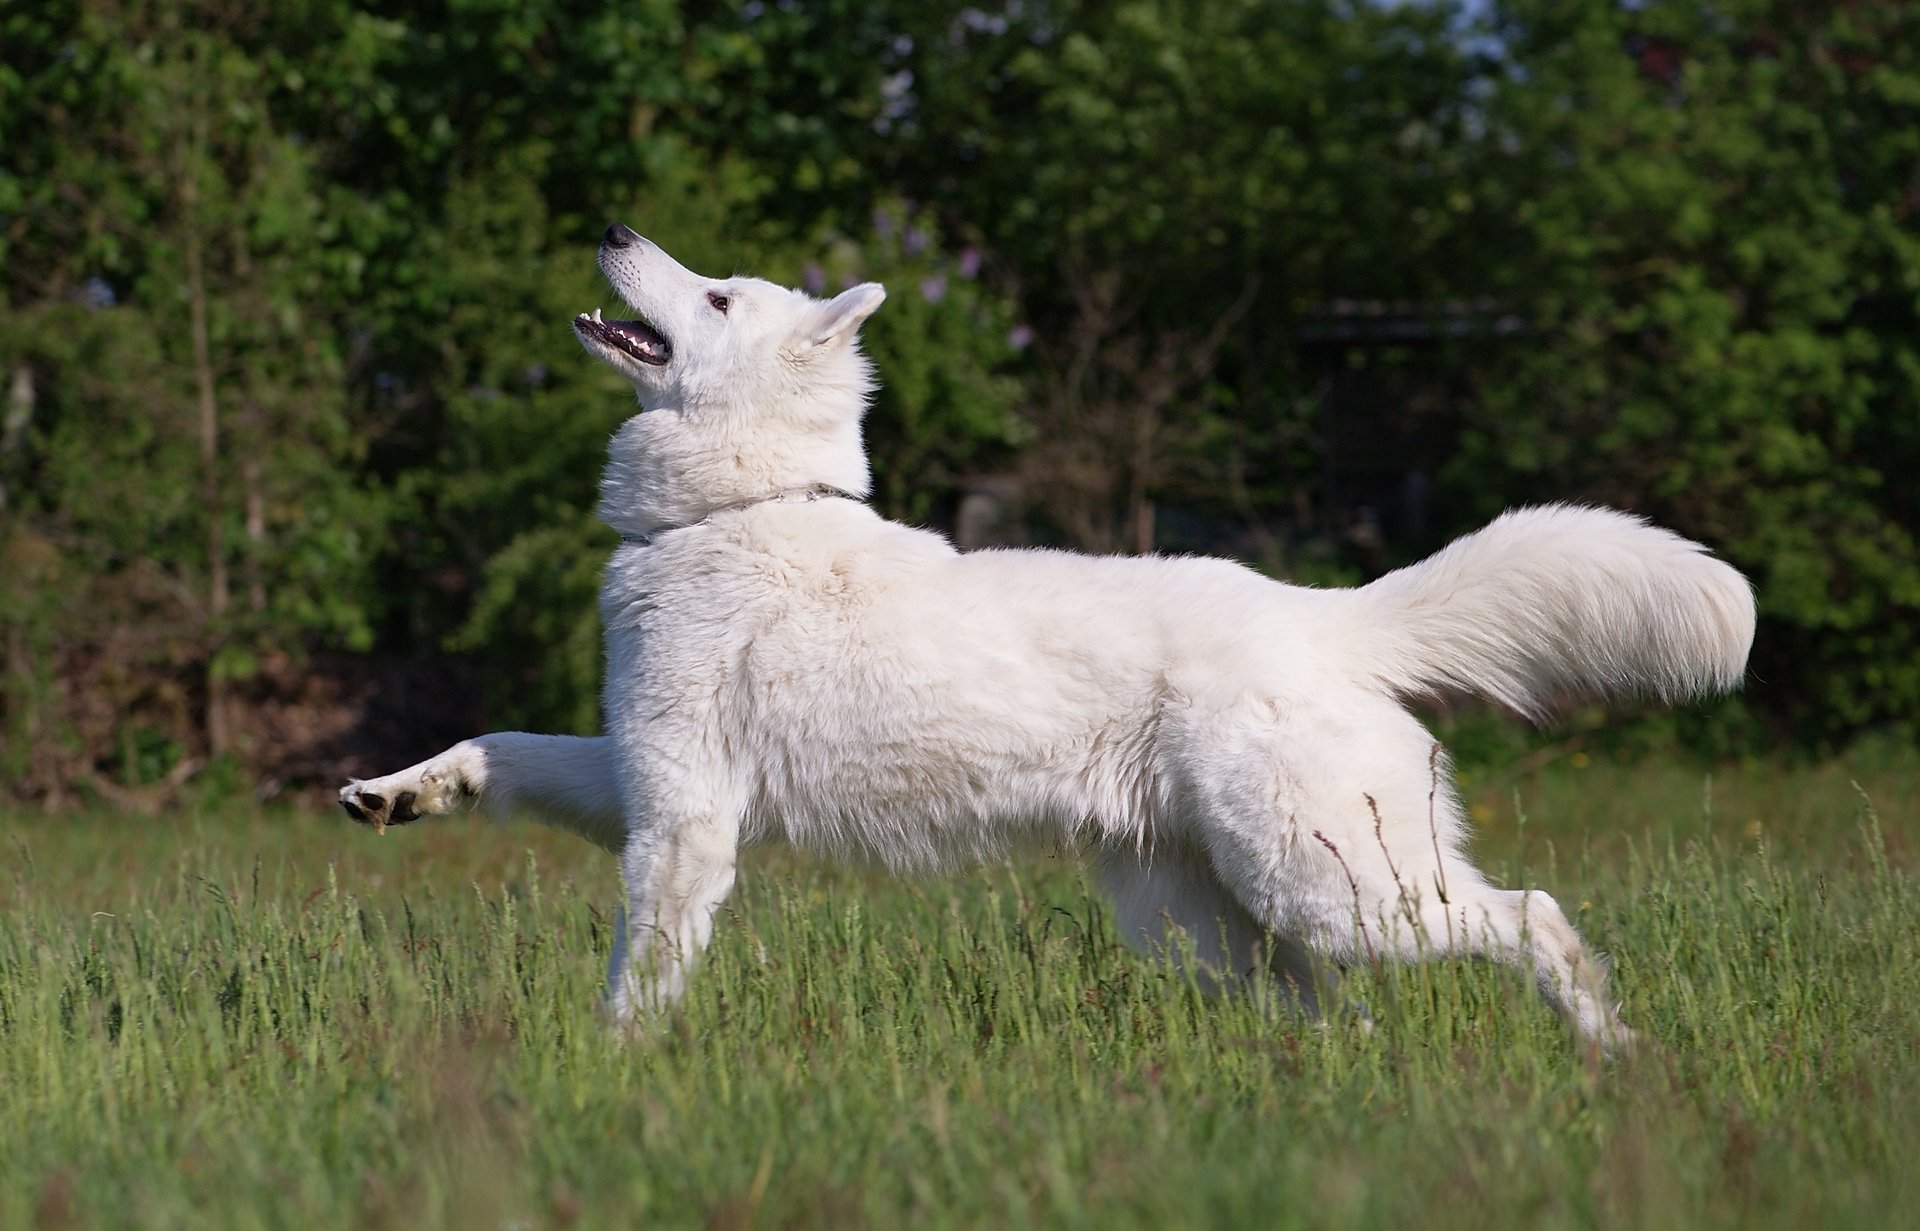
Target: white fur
{"type": "Point", "coordinates": [782, 665]}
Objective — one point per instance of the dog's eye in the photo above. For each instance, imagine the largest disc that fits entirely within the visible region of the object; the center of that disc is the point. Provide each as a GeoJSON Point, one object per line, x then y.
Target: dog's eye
{"type": "Point", "coordinates": [718, 301]}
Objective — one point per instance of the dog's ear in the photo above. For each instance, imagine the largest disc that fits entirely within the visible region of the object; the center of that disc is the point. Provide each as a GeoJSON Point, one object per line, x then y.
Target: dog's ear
{"type": "Point", "coordinates": [838, 319]}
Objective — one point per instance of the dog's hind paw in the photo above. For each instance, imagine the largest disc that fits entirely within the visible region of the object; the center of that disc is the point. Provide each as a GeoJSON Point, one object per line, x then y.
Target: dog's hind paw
{"type": "Point", "coordinates": [1620, 1041]}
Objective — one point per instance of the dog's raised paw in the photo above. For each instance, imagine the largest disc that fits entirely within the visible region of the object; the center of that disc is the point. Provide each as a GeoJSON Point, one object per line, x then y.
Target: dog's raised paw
{"type": "Point", "coordinates": [370, 808]}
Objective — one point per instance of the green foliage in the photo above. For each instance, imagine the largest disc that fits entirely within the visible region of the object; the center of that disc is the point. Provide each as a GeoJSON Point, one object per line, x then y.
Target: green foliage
{"type": "Point", "coordinates": [342, 244]}
{"type": "Point", "coordinates": [1173, 185]}
{"type": "Point", "coordinates": [945, 348]}
{"type": "Point", "coordinates": [177, 429]}
{"type": "Point", "coordinates": [284, 1021]}
{"type": "Point", "coordinates": [1714, 221]}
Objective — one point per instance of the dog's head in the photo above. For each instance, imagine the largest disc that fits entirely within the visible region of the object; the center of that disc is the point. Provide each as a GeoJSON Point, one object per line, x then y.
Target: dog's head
{"type": "Point", "coordinates": [728, 346]}
{"type": "Point", "coordinates": [749, 388]}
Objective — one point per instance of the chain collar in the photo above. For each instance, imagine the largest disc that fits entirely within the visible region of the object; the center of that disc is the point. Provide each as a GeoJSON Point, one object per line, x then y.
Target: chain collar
{"type": "Point", "coordinates": [807, 494]}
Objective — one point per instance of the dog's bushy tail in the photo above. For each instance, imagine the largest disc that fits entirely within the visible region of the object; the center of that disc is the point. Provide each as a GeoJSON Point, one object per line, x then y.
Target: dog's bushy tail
{"type": "Point", "coordinates": [1549, 604]}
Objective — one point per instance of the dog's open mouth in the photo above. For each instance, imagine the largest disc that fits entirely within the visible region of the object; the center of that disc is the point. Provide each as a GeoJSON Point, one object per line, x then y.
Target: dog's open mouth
{"type": "Point", "coordinates": [635, 338]}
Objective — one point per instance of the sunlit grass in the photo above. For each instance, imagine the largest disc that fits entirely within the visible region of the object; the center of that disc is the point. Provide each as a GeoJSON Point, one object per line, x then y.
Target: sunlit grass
{"type": "Point", "coordinates": [232, 1020]}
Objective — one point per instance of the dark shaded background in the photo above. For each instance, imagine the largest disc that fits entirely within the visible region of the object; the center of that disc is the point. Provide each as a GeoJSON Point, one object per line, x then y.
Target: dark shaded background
{"type": "Point", "coordinates": [297, 455]}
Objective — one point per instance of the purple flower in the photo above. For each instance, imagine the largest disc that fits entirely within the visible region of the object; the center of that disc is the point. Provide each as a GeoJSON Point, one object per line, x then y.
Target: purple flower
{"type": "Point", "coordinates": [813, 278]}
{"type": "Point", "coordinates": [970, 262]}
{"type": "Point", "coordinates": [1020, 337]}
{"type": "Point", "coordinates": [933, 289]}
{"type": "Point", "coordinates": [914, 241]}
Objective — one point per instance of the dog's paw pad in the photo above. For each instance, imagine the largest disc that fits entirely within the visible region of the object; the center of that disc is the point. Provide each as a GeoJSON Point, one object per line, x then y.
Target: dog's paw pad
{"type": "Point", "coordinates": [371, 808]}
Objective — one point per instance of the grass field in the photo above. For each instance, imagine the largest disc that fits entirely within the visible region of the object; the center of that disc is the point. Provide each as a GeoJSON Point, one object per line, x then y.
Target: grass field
{"type": "Point", "coordinates": [226, 1019]}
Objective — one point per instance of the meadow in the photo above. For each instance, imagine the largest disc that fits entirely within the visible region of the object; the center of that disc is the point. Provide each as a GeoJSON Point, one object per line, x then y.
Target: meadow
{"type": "Point", "coordinates": [234, 1018]}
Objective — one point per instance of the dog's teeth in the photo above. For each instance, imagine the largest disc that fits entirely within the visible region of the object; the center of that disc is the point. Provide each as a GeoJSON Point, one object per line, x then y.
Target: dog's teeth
{"type": "Point", "coordinates": [596, 316]}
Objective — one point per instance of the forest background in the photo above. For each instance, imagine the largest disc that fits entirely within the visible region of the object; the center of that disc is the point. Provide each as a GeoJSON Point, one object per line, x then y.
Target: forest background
{"type": "Point", "coordinates": [298, 456]}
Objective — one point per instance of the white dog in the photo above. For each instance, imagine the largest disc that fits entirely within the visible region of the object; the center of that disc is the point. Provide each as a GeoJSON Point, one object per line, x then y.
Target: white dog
{"type": "Point", "coordinates": [784, 663]}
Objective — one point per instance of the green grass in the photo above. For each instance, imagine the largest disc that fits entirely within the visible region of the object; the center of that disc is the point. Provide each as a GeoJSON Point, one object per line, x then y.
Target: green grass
{"type": "Point", "coordinates": [230, 1020]}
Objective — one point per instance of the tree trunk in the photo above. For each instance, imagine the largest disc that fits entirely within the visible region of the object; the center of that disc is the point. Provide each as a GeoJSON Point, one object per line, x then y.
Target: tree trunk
{"type": "Point", "coordinates": [256, 534]}
{"type": "Point", "coordinates": [194, 159]}
{"type": "Point", "coordinates": [13, 426]}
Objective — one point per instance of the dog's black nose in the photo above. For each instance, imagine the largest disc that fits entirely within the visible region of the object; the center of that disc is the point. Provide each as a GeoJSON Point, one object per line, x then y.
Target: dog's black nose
{"type": "Point", "coordinates": [620, 235]}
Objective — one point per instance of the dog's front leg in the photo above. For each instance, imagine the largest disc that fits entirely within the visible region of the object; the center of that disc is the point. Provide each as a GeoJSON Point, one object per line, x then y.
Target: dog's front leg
{"type": "Point", "coordinates": [564, 780]}
{"type": "Point", "coordinates": [677, 876]}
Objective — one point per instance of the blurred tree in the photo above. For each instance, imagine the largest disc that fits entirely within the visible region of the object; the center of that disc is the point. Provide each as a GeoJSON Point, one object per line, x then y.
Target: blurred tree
{"type": "Point", "coordinates": [1173, 184]}
{"type": "Point", "coordinates": [1713, 216]}
{"type": "Point", "coordinates": [181, 462]}
{"type": "Point", "coordinates": [284, 299]}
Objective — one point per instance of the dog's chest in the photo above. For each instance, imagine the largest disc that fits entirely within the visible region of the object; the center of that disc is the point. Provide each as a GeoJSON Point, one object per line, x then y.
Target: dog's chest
{"type": "Point", "coordinates": [718, 624]}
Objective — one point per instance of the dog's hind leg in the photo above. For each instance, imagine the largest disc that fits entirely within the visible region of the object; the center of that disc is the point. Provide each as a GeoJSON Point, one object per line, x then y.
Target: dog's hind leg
{"type": "Point", "coordinates": [1521, 928]}
{"type": "Point", "coordinates": [1361, 890]}
{"type": "Point", "coordinates": [1167, 900]}
{"type": "Point", "coordinates": [1526, 929]}
{"type": "Point", "coordinates": [567, 781]}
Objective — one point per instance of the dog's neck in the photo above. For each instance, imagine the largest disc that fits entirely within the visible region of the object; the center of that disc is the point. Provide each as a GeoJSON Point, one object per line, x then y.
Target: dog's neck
{"type": "Point", "coordinates": [664, 471]}
{"type": "Point", "coordinates": [798, 495]}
